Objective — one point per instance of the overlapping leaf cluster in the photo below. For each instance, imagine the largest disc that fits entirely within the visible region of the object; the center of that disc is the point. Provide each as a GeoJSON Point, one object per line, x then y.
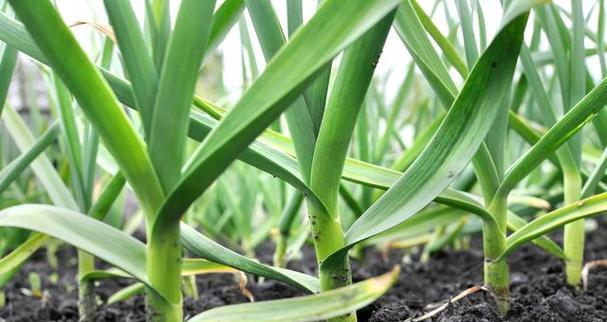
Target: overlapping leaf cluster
{"type": "Point", "coordinates": [492, 149]}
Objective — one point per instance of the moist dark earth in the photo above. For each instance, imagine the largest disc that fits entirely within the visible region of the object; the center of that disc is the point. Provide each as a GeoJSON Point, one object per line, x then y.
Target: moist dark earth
{"type": "Point", "coordinates": [538, 291]}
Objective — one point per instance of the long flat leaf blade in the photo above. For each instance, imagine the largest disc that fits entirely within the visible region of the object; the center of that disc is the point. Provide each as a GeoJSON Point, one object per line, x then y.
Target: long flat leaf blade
{"type": "Point", "coordinates": [93, 236]}
{"type": "Point", "coordinates": [308, 308]}
{"type": "Point", "coordinates": [341, 22]}
{"type": "Point", "coordinates": [456, 140]}
{"type": "Point", "coordinates": [206, 248]}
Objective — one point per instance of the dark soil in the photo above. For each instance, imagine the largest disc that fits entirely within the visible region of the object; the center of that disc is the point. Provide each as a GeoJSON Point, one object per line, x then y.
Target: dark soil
{"type": "Point", "coordinates": [538, 290]}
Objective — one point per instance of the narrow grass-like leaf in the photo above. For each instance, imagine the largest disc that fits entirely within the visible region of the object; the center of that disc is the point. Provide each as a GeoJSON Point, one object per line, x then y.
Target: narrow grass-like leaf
{"type": "Point", "coordinates": [72, 142]}
{"type": "Point", "coordinates": [445, 45]}
{"type": "Point", "coordinates": [515, 223]}
{"type": "Point", "coordinates": [22, 253]}
{"type": "Point", "coordinates": [126, 293]}
{"type": "Point", "coordinates": [410, 30]}
{"type": "Point", "coordinates": [465, 17]}
{"type": "Point", "coordinates": [159, 22]}
{"type": "Point", "coordinates": [556, 136]}
{"type": "Point", "coordinates": [595, 177]}
{"type": "Point", "coordinates": [42, 166]}
{"type": "Point", "coordinates": [12, 170]}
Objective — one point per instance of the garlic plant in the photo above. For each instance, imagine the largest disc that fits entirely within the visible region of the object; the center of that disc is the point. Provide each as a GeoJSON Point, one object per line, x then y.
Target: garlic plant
{"type": "Point", "coordinates": [458, 173]}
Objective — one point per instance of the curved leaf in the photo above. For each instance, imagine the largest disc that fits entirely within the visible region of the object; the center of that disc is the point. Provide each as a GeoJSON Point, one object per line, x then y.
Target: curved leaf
{"type": "Point", "coordinates": [11, 171]}
{"type": "Point", "coordinates": [316, 307]}
{"type": "Point", "coordinates": [20, 254]}
{"type": "Point", "coordinates": [514, 223]}
{"type": "Point", "coordinates": [272, 152]}
{"type": "Point", "coordinates": [554, 220]}
{"type": "Point", "coordinates": [455, 143]}
{"type": "Point", "coordinates": [466, 124]}
{"type": "Point", "coordinates": [126, 293]}
{"type": "Point", "coordinates": [189, 266]}
{"type": "Point", "coordinates": [90, 235]}
{"type": "Point", "coordinates": [557, 135]}
{"type": "Point", "coordinates": [341, 23]}
{"type": "Point", "coordinates": [206, 248]}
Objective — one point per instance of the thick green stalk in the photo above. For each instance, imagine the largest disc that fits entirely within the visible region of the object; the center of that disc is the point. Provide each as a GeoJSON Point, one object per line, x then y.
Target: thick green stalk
{"type": "Point", "coordinates": [338, 122]}
{"type": "Point", "coordinates": [179, 73]}
{"type": "Point", "coordinates": [574, 233]}
{"type": "Point", "coordinates": [87, 303]}
{"type": "Point", "coordinates": [163, 265]}
{"type": "Point", "coordinates": [494, 242]}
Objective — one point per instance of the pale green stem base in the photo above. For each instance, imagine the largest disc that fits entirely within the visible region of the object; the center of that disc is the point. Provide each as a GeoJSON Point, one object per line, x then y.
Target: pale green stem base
{"type": "Point", "coordinates": [190, 288]}
{"type": "Point", "coordinates": [498, 280]}
{"type": "Point", "coordinates": [280, 252]}
{"type": "Point", "coordinates": [574, 249]}
{"type": "Point", "coordinates": [87, 305]}
{"type": "Point", "coordinates": [328, 237]}
{"type": "Point", "coordinates": [574, 233]}
{"type": "Point", "coordinates": [164, 271]}
{"type": "Point", "coordinates": [497, 273]}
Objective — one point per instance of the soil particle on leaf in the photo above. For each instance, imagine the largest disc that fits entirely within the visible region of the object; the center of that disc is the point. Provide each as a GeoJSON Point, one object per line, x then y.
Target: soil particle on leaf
{"type": "Point", "coordinates": [538, 291]}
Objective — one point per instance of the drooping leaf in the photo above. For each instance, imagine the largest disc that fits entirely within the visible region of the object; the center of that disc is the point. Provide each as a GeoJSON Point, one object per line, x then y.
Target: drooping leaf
{"type": "Point", "coordinates": [206, 248]}
{"type": "Point", "coordinates": [456, 140]}
{"type": "Point", "coordinates": [42, 166]}
{"type": "Point", "coordinates": [307, 308]}
{"type": "Point", "coordinates": [93, 236]}
{"type": "Point", "coordinates": [12, 170]}
{"type": "Point", "coordinates": [466, 123]}
{"type": "Point", "coordinates": [271, 93]}
{"type": "Point", "coordinates": [554, 220]}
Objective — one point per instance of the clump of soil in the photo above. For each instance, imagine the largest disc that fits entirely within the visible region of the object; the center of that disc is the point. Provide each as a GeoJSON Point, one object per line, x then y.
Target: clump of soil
{"type": "Point", "coordinates": [538, 291]}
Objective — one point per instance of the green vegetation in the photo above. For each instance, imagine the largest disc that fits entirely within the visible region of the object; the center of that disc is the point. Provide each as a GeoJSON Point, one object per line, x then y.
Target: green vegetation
{"type": "Point", "coordinates": [484, 134]}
